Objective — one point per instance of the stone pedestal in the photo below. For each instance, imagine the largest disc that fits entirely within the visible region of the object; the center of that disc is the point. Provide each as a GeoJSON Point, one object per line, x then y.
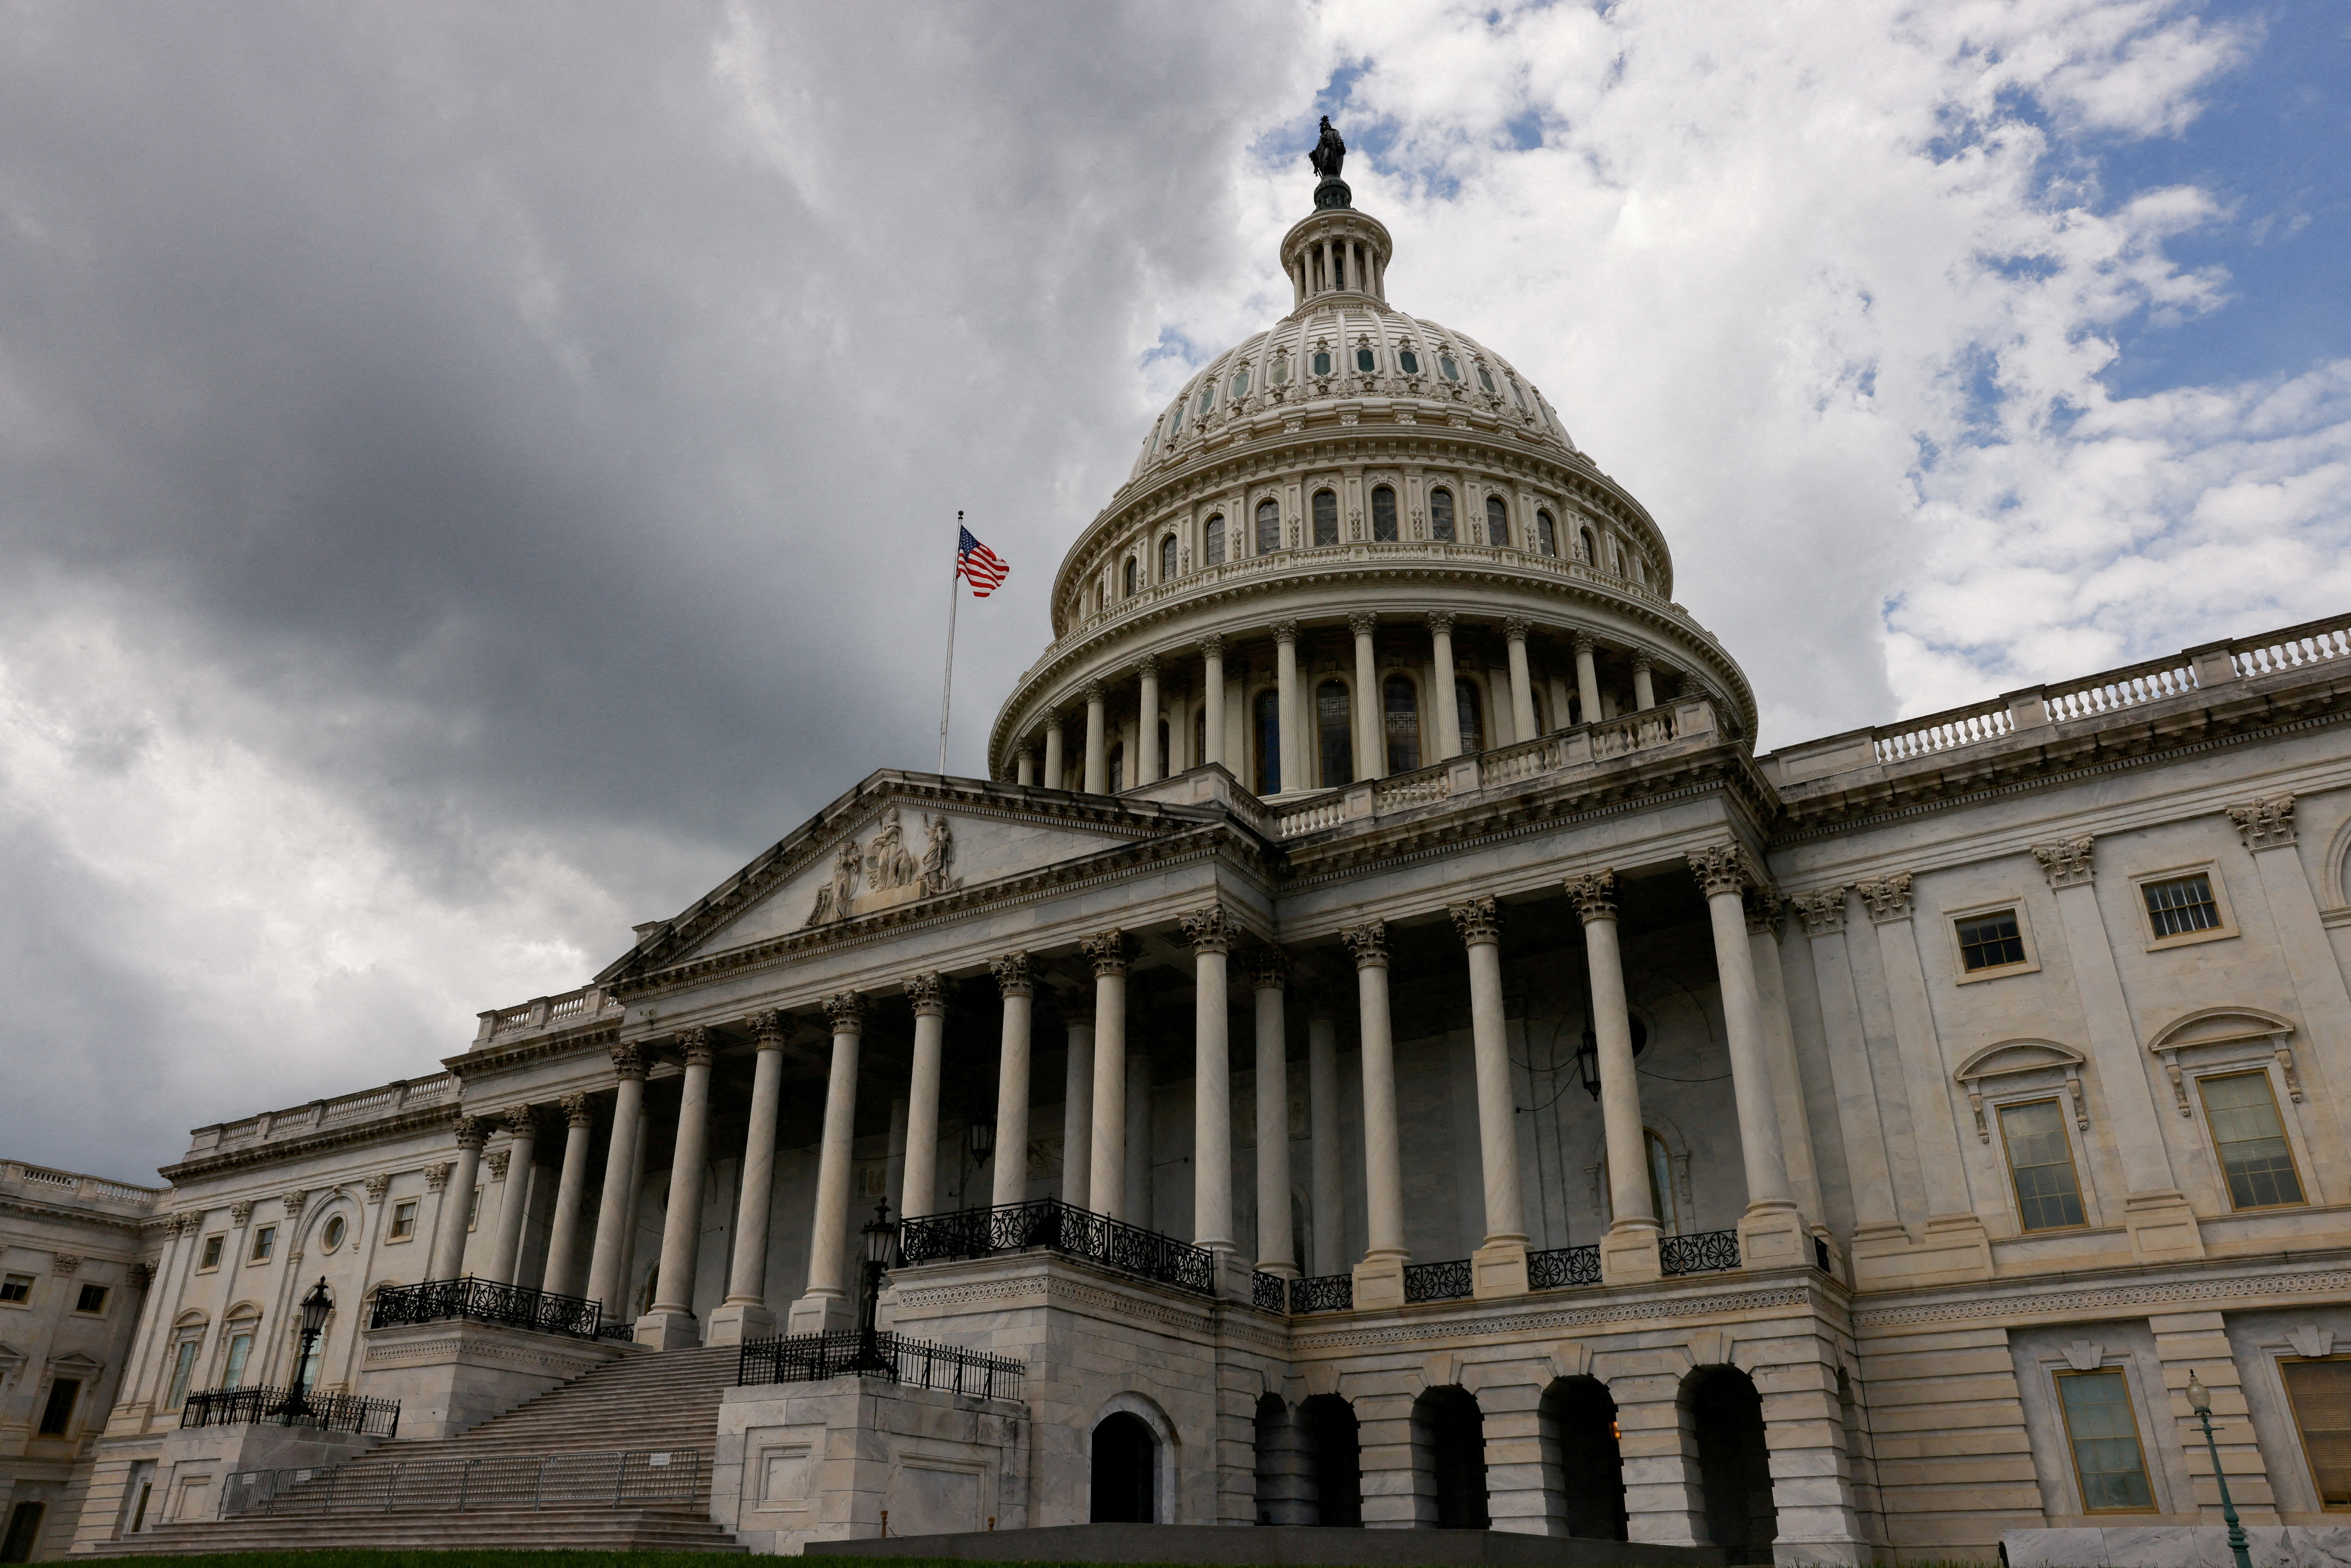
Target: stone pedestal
{"type": "Point", "coordinates": [452, 1376]}
{"type": "Point", "coordinates": [2163, 1229]}
{"type": "Point", "coordinates": [820, 1314]}
{"type": "Point", "coordinates": [733, 1325]}
{"type": "Point", "coordinates": [1379, 1283]}
{"type": "Point", "coordinates": [1628, 1253]}
{"type": "Point", "coordinates": [669, 1329]}
{"type": "Point", "coordinates": [195, 1463]}
{"type": "Point", "coordinates": [1498, 1269]}
{"type": "Point", "coordinates": [1773, 1236]}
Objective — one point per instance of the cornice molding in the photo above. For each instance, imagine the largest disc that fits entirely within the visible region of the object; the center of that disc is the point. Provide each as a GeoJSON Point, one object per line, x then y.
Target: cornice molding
{"type": "Point", "coordinates": [406, 1123]}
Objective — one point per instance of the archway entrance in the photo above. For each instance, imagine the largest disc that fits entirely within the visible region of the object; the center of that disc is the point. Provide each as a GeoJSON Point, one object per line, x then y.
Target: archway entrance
{"type": "Point", "coordinates": [1449, 1430]}
{"type": "Point", "coordinates": [1579, 1428]}
{"type": "Point", "coordinates": [1336, 1445]}
{"type": "Point", "coordinates": [1734, 1465]}
{"type": "Point", "coordinates": [1125, 1471]}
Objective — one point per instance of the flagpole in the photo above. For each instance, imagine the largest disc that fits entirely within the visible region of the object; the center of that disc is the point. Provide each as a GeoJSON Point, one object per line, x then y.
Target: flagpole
{"type": "Point", "coordinates": [955, 598]}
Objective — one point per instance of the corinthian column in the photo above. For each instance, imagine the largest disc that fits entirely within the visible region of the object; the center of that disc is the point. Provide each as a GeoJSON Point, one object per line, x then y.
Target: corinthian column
{"type": "Point", "coordinates": [1522, 686]}
{"type": "Point", "coordinates": [1077, 1106]}
{"type": "Point", "coordinates": [1371, 755]}
{"type": "Point", "coordinates": [613, 1216]}
{"type": "Point", "coordinates": [826, 1304]}
{"type": "Point", "coordinates": [1275, 1248]}
{"type": "Point", "coordinates": [1211, 932]}
{"type": "Point", "coordinates": [1212, 696]}
{"type": "Point", "coordinates": [1500, 1267]}
{"type": "Point", "coordinates": [1019, 988]}
{"type": "Point", "coordinates": [1445, 703]}
{"type": "Point", "coordinates": [928, 993]}
{"type": "Point", "coordinates": [1379, 1278]}
{"type": "Point", "coordinates": [1147, 761]}
{"type": "Point", "coordinates": [560, 1275]}
{"type": "Point", "coordinates": [522, 1139]}
{"type": "Point", "coordinates": [746, 1314]}
{"type": "Point", "coordinates": [1628, 1253]}
{"type": "Point", "coordinates": [1290, 772]}
{"type": "Point", "coordinates": [1106, 1186]}
{"type": "Point", "coordinates": [1054, 770]}
{"type": "Point", "coordinates": [1097, 739]}
{"type": "Point", "coordinates": [449, 1246]}
{"type": "Point", "coordinates": [1587, 678]}
{"type": "Point", "coordinates": [1645, 689]}
{"type": "Point", "coordinates": [671, 1324]}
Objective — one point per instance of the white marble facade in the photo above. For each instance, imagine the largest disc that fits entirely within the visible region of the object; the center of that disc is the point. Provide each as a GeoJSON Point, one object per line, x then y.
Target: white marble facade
{"type": "Point", "coordinates": [1372, 778]}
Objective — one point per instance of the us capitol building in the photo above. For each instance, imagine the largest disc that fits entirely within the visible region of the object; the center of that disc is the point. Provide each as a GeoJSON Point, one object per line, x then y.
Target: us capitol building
{"type": "Point", "coordinates": [1379, 1048]}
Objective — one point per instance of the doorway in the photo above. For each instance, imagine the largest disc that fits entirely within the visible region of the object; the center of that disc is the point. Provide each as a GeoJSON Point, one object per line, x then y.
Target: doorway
{"type": "Point", "coordinates": [1125, 1471]}
{"type": "Point", "coordinates": [1733, 1463]}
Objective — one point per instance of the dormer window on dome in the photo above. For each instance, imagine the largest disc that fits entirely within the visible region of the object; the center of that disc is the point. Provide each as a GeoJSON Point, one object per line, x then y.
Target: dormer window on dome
{"type": "Point", "coordinates": [1447, 369]}
{"type": "Point", "coordinates": [1408, 361]}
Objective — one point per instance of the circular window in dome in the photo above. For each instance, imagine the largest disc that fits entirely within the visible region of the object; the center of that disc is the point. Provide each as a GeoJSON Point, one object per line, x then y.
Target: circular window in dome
{"type": "Point", "coordinates": [1321, 361]}
{"type": "Point", "coordinates": [1280, 372]}
{"type": "Point", "coordinates": [1366, 362]}
{"type": "Point", "coordinates": [332, 1236]}
{"type": "Point", "coordinates": [1485, 378]}
{"type": "Point", "coordinates": [1447, 369]}
{"type": "Point", "coordinates": [1409, 361]}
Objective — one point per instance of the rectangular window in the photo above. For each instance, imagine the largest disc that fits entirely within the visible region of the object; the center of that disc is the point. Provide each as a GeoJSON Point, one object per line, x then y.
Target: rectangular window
{"type": "Point", "coordinates": [2251, 1140]}
{"type": "Point", "coordinates": [2181, 904]}
{"type": "Point", "coordinates": [92, 1298]}
{"type": "Point", "coordinates": [240, 1350]}
{"type": "Point", "coordinates": [1989, 941]}
{"type": "Point", "coordinates": [2320, 1392]}
{"type": "Point", "coordinates": [213, 1245]}
{"type": "Point", "coordinates": [265, 1242]}
{"type": "Point", "coordinates": [17, 1289]}
{"type": "Point", "coordinates": [474, 1214]}
{"type": "Point", "coordinates": [184, 1362]}
{"type": "Point", "coordinates": [404, 1219]}
{"type": "Point", "coordinates": [58, 1412]}
{"type": "Point", "coordinates": [2041, 1163]}
{"type": "Point", "coordinates": [2103, 1435]}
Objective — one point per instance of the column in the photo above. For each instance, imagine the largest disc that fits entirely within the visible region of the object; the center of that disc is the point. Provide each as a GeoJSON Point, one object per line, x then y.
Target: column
{"type": "Point", "coordinates": [1275, 1248]}
{"type": "Point", "coordinates": [2161, 1225]}
{"type": "Point", "coordinates": [1763, 906]}
{"type": "Point", "coordinates": [1139, 1209]}
{"type": "Point", "coordinates": [1330, 1160]}
{"type": "Point", "coordinates": [1772, 1234]}
{"type": "Point", "coordinates": [1379, 1278]}
{"type": "Point", "coordinates": [522, 1135]}
{"type": "Point", "coordinates": [1869, 1173]}
{"type": "Point", "coordinates": [1291, 772]}
{"type": "Point", "coordinates": [1522, 687]}
{"type": "Point", "coordinates": [1560, 697]}
{"type": "Point", "coordinates": [1106, 1184]}
{"type": "Point", "coordinates": [1053, 769]}
{"type": "Point", "coordinates": [826, 1304]}
{"type": "Point", "coordinates": [1645, 691]}
{"type": "Point", "coordinates": [1078, 1108]}
{"type": "Point", "coordinates": [928, 993]}
{"type": "Point", "coordinates": [1498, 1268]}
{"type": "Point", "coordinates": [640, 1154]}
{"type": "Point", "coordinates": [1097, 741]}
{"type": "Point", "coordinates": [1444, 704]}
{"type": "Point", "coordinates": [1024, 767]}
{"type": "Point", "coordinates": [613, 1215]}
{"type": "Point", "coordinates": [1587, 679]}
{"type": "Point", "coordinates": [560, 1276]}
{"type": "Point", "coordinates": [1019, 989]}
{"type": "Point", "coordinates": [147, 1340]}
{"type": "Point", "coordinates": [1147, 761]}
{"type": "Point", "coordinates": [745, 1314]}
{"type": "Point", "coordinates": [449, 1244]}
{"type": "Point", "coordinates": [671, 1324]}
{"type": "Point", "coordinates": [1211, 932]}
{"type": "Point", "coordinates": [1212, 693]}
{"type": "Point", "coordinates": [1628, 1252]}
{"type": "Point", "coordinates": [1330, 272]}
{"type": "Point", "coordinates": [1371, 751]}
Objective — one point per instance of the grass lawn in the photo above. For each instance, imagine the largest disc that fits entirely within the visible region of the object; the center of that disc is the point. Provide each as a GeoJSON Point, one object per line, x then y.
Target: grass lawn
{"type": "Point", "coordinates": [417, 1557]}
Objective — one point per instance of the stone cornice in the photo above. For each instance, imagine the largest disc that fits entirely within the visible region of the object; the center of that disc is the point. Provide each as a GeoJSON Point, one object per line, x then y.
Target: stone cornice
{"type": "Point", "coordinates": [2267, 1281]}
{"type": "Point", "coordinates": [406, 1123]}
{"type": "Point", "coordinates": [37, 1208]}
{"type": "Point", "coordinates": [485, 1062]}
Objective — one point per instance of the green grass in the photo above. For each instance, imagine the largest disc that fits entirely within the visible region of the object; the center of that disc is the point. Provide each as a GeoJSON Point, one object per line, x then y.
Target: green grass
{"type": "Point", "coordinates": [419, 1557]}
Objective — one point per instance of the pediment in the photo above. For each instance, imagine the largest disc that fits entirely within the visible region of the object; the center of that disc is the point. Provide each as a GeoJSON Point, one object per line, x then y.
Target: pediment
{"type": "Point", "coordinates": [2010, 1056]}
{"type": "Point", "coordinates": [2220, 1026]}
{"type": "Point", "coordinates": [76, 1365]}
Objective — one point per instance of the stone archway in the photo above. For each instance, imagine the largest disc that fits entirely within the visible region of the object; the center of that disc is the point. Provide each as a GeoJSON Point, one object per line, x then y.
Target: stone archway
{"type": "Point", "coordinates": [1585, 1465]}
{"type": "Point", "coordinates": [1125, 1471]}
{"type": "Point", "coordinates": [1449, 1438]}
{"type": "Point", "coordinates": [1334, 1441]}
{"type": "Point", "coordinates": [1734, 1465]}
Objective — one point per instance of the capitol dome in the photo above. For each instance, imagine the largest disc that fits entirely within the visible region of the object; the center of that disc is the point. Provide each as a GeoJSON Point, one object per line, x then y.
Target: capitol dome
{"type": "Point", "coordinates": [1355, 546]}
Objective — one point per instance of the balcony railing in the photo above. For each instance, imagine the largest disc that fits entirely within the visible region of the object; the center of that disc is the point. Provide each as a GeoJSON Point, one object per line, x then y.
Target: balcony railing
{"type": "Point", "coordinates": [1559, 1267]}
{"type": "Point", "coordinates": [1323, 1293]}
{"type": "Point", "coordinates": [813, 1357]}
{"type": "Point", "coordinates": [279, 1407]}
{"type": "Point", "coordinates": [484, 1301]}
{"type": "Point", "coordinates": [1270, 1293]}
{"type": "Point", "coordinates": [1057, 1226]}
{"type": "Point", "coordinates": [1437, 1281]}
{"type": "Point", "coordinates": [1707, 1252]}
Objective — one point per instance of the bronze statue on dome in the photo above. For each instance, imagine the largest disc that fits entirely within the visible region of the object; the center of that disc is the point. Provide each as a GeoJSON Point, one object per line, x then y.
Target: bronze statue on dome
{"type": "Point", "coordinates": [1328, 152]}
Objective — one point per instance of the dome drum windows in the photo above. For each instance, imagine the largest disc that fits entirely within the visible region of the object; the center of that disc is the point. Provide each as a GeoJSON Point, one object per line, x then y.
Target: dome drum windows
{"type": "Point", "coordinates": [1212, 541]}
{"type": "Point", "coordinates": [1279, 375]}
{"type": "Point", "coordinates": [1546, 534]}
{"type": "Point", "coordinates": [1268, 526]}
{"type": "Point", "coordinates": [1448, 367]}
{"type": "Point", "coordinates": [1132, 574]}
{"type": "Point", "coordinates": [1240, 382]}
{"type": "Point", "coordinates": [1321, 361]}
{"type": "Point", "coordinates": [1498, 521]}
{"type": "Point", "coordinates": [1408, 361]}
{"type": "Point", "coordinates": [1486, 379]}
{"type": "Point", "coordinates": [1441, 516]}
{"type": "Point", "coordinates": [1383, 514]}
{"type": "Point", "coordinates": [1326, 517]}
{"type": "Point", "coordinates": [1167, 558]}
{"type": "Point", "coordinates": [1207, 400]}
{"type": "Point", "coordinates": [1366, 363]}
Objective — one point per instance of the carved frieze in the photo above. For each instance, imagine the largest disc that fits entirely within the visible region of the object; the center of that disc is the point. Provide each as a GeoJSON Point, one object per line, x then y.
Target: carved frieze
{"type": "Point", "coordinates": [886, 871]}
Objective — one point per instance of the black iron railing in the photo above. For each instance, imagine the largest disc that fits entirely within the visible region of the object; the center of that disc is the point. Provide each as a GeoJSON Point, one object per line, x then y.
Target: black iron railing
{"type": "Point", "coordinates": [1268, 1291]}
{"type": "Point", "coordinates": [279, 1407]}
{"type": "Point", "coordinates": [485, 1302]}
{"type": "Point", "coordinates": [1707, 1252]}
{"type": "Point", "coordinates": [1562, 1266]}
{"type": "Point", "coordinates": [812, 1357]}
{"type": "Point", "coordinates": [1323, 1293]}
{"type": "Point", "coordinates": [1437, 1281]}
{"type": "Point", "coordinates": [1057, 1226]}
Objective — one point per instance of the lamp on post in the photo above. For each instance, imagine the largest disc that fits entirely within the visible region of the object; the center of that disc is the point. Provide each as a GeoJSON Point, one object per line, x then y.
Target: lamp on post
{"type": "Point", "coordinates": [1587, 1062]}
{"type": "Point", "coordinates": [314, 1308]}
{"type": "Point", "coordinates": [881, 1243]}
{"type": "Point", "coordinates": [2200, 1400]}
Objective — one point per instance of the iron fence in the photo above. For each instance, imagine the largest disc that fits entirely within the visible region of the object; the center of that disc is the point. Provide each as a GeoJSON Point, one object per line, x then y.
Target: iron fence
{"type": "Point", "coordinates": [1267, 1291]}
{"type": "Point", "coordinates": [486, 1301]}
{"type": "Point", "coordinates": [280, 1407]}
{"type": "Point", "coordinates": [1707, 1252]}
{"type": "Point", "coordinates": [1562, 1266]}
{"type": "Point", "coordinates": [1323, 1293]}
{"type": "Point", "coordinates": [636, 1478]}
{"type": "Point", "coordinates": [1058, 1227]}
{"type": "Point", "coordinates": [1437, 1281]}
{"type": "Point", "coordinates": [812, 1357]}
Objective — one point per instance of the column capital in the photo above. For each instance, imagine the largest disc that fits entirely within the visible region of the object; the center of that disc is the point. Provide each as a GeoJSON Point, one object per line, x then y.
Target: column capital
{"type": "Point", "coordinates": [2266, 823]}
{"type": "Point", "coordinates": [1360, 621]}
{"type": "Point", "coordinates": [1093, 692]}
{"type": "Point", "coordinates": [1822, 910]}
{"type": "Point", "coordinates": [1515, 627]}
{"type": "Point", "coordinates": [295, 1200]}
{"type": "Point", "coordinates": [1286, 630]}
{"type": "Point", "coordinates": [629, 1058]}
{"type": "Point", "coordinates": [1719, 869]}
{"type": "Point", "coordinates": [1594, 894]}
{"type": "Point", "coordinates": [1441, 622]}
{"type": "Point", "coordinates": [1024, 752]}
{"type": "Point", "coordinates": [240, 1212]}
{"type": "Point", "coordinates": [1641, 660]}
{"type": "Point", "coordinates": [1582, 642]}
{"type": "Point", "coordinates": [2066, 863]}
{"type": "Point", "coordinates": [1212, 647]}
{"type": "Point", "coordinates": [576, 1113]}
{"type": "Point", "coordinates": [143, 1273]}
{"type": "Point", "coordinates": [1888, 898]}
{"type": "Point", "coordinates": [1269, 968]}
{"type": "Point", "coordinates": [1210, 930]}
{"type": "Point", "coordinates": [696, 1046]}
{"type": "Point", "coordinates": [496, 1163]}
{"type": "Point", "coordinates": [470, 1132]}
{"type": "Point", "coordinates": [928, 994]}
{"type": "Point", "coordinates": [1147, 667]}
{"type": "Point", "coordinates": [846, 1009]}
{"type": "Point", "coordinates": [1015, 976]}
{"type": "Point", "coordinates": [436, 1176]}
{"type": "Point", "coordinates": [1765, 908]}
{"type": "Point", "coordinates": [520, 1122]}
{"type": "Point", "coordinates": [1107, 951]}
{"type": "Point", "coordinates": [1478, 921]}
{"type": "Point", "coordinates": [1049, 718]}
{"type": "Point", "coordinates": [768, 1028]}
{"type": "Point", "coordinates": [381, 1183]}
{"type": "Point", "coordinates": [1368, 943]}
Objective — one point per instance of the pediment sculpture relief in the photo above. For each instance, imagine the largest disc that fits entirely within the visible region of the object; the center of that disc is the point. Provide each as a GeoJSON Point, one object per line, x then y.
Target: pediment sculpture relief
{"type": "Point", "coordinates": [886, 871]}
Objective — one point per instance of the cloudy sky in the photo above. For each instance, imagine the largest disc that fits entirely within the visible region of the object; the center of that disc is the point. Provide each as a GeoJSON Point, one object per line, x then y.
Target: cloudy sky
{"type": "Point", "coordinates": [471, 475]}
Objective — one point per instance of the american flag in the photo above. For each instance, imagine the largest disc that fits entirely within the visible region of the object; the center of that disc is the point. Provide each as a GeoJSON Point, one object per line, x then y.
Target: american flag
{"type": "Point", "coordinates": [979, 566]}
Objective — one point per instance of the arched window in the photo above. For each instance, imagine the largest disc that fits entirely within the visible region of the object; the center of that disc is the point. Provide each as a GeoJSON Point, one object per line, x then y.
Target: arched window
{"type": "Point", "coordinates": [1326, 517]}
{"type": "Point", "coordinates": [1383, 516]}
{"type": "Point", "coordinates": [1498, 521]}
{"type": "Point", "coordinates": [1240, 382]}
{"type": "Point", "coordinates": [1130, 576]}
{"type": "Point", "coordinates": [1212, 541]}
{"type": "Point", "coordinates": [1546, 533]}
{"type": "Point", "coordinates": [1167, 558]}
{"type": "Point", "coordinates": [1125, 1462]}
{"type": "Point", "coordinates": [1268, 742]}
{"type": "Point", "coordinates": [1400, 705]}
{"type": "Point", "coordinates": [1440, 515]}
{"type": "Point", "coordinates": [1117, 767]}
{"type": "Point", "coordinates": [1269, 526]}
{"type": "Point", "coordinates": [1485, 378]}
{"type": "Point", "coordinates": [1366, 362]}
{"type": "Point", "coordinates": [1335, 735]}
{"type": "Point", "coordinates": [1586, 553]}
{"type": "Point", "coordinates": [1321, 361]}
{"type": "Point", "coordinates": [1472, 713]}
{"type": "Point", "coordinates": [239, 1336]}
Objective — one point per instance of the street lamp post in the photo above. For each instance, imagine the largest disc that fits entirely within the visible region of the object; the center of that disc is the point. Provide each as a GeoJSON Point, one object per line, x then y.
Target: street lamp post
{"type": "Point", "coordinates": [880, 1238]}
{"type": "Point", "coordinates": [2200, 1400]}
{"type": "Point", "coordinates": [314, 1308]}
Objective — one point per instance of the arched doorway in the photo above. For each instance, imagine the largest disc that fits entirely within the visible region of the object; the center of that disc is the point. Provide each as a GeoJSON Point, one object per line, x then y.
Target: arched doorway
{"type": "Point", "coordinates": [1285, 1470]}
{"type": "Point", "coordinates": [1125, 1471]}
{"type": "Point", "coordinates": [1336, 1446]}
{"type": "Point", "coordinates": [1584, 1466]}
{"type": "Point", "coordinates": [1449, 1439]}
{"type": "Point", "coordinates": [1734, 1465]}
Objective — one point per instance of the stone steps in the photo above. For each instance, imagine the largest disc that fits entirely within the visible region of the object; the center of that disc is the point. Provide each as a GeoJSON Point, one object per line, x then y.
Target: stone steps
{"type": "Point", "coordinates": [582, 1529]}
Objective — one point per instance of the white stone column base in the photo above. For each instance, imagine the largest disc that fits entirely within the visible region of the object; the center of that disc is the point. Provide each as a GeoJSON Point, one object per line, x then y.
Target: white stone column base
{"type": "Point", "coordinates": [1628, 1253]}
{"type": "Point", "coordinates": [2163, 1229]}
{"type": "Point", "coordinates": [820, 1314]}
{"type": "Point", "coordinates": [667, 1328]}
{"type": "Point", "coordinates": [1498, 1269]}
{"type": "Point", "coordinates": [732, 1324]}
{"type": "Point", "coordinates": [1773, 1236]}
{"type": "Point", "coordinates": [1378, 1282]}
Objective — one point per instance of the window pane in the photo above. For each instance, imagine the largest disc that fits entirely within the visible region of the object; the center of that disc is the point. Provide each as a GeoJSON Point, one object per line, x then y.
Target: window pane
{"type": "Point", "coordinates": [2048, 1193]}
{"type": "Point", "coordinates": [1326, 517]}
{"type": "Point", "coordinates": [1472, 715]}
{"type": "Point", "coordinates": [1498, 521]}
{"type": "Point", "coordinates": [1280, 372]}
{"type": "Point", "coordinates": [1383, 514]}
{"type": "Point", "coordinates": [1167, 557]}
{"type": "Point", "coordinates": [181, 1366]}
{"type": "Point", "coordinates": [1269, 743]}
{"type": "Point", "coordinates": [2250, 1141]}
{"type": "Point", "coordinates": [2321, 1395]}
{"type": "Point", "coordinates": [59, 1411]}
{"type": "Point", "coordinates": [92, 1298]}
{"type": "Point", "coordinates": [1117, 769]}
{"type": "Point", "coordinates": [1447, 369]}
{"type": "Point", "coordinates": [1212, 545]}
{"type": "Point", "coordinates": [239, 1348]}
{"type": "Point", "coordinates": [1988, 941]}
{"type": "Point", "coordinates": [1546, 534]}
{"type": "Point", "coordinates": [1440, 515]}
{"type": "Point", "coordinates": [16, 1288]}
{"type": "Point", "coordinates": [2181, 906]}
{"type": "Point", "coordinates": [1661, 1184]}
{"type": "Point", "coordinates": [1240, 382]}
{"type": "Point", "coordinates": [1409, 361]}
{"type": "Point", "coordinates": [1335, 735]}
{"type": "Point", "coordinates": [1403, 714]}
{"type": "Point", "coordinates": [1269, 527]}
{"type": "Point", "coordinates": [1321, 361]}
{"type": "Point", "coordinates": [2104, 1440]}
